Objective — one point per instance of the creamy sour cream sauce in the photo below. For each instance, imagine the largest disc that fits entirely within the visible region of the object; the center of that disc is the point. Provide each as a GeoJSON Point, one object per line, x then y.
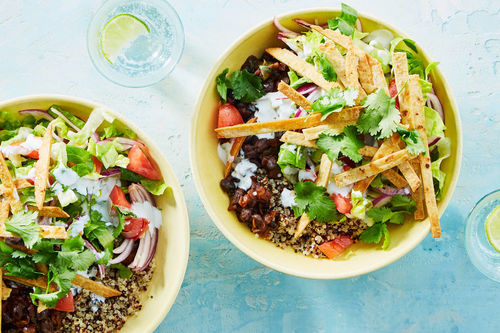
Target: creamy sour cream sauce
{"type": "Point", "coordinates": [244, 171]}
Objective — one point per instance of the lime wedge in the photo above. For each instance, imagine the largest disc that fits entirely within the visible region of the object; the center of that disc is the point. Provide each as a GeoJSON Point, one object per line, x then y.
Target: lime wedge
{"type": "Point", "coordinates": [493, 228]}
{"type": "Point", "coordinates": [119, 32]}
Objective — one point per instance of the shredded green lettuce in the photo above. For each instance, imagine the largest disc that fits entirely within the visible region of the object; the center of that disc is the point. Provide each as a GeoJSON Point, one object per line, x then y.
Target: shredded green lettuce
{"type": "Point", "coordinates": [434, 125]}
{"type": "Point", "coordinates": [97, 117]}
{"type": "Point", "coordinates": [291, 155]}
{"type": "Point", "coordinates": [444, 149]}
{"type": "Point", "coordinates": [360, 206]}
{"type": "Point", "coordinates": [108, 153]}
{"type": "Point", "coordinates": [156, 187]}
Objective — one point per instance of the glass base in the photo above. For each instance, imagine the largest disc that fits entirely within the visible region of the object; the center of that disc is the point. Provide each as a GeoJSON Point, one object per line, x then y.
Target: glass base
{"type": "Point", "coordinates": [480, 251]}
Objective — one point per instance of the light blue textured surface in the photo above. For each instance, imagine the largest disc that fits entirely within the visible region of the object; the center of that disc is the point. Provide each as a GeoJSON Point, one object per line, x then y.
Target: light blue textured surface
{"type": "Point", "coordinates": [434, 288]}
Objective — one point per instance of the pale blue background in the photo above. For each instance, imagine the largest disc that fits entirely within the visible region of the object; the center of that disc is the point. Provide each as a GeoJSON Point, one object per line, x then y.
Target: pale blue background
{"type": "Point", "coordinates": [432, 289]}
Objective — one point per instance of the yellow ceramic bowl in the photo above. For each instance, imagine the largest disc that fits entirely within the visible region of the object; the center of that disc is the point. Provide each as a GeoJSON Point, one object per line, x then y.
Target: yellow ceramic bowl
{"type": "Point", "coordinates": [173, 243]}
{"type": "Point", "coordinates": [208, 169]}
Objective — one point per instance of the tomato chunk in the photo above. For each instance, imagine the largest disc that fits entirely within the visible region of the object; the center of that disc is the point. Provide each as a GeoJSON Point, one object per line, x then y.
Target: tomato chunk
{"type": "Point", "coordinates": [344, 205]}
{"type": "Point", "coordinates": [135, 227]}
{"type": "Point", "coordinates": [32, 154]}
{"type": "Point", "coordinates": [139, 163]}
{"type": "Point", "coordinates": [97, 164]}
{"type": "Point", "coordinates": [335, 247]}
{"type": "Point", "coordinates": [118, 198]}
{"type": "Point", "coordinates": [66, 304]}
{"type": "Point", "coordinates": [228, 116]}
{"type": "Point", "coordinates": [393, 91]}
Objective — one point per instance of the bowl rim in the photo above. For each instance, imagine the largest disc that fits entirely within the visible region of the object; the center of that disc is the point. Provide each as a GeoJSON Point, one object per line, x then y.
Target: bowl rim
{"type": "Point", "coordinates": [180, 201]}
{"type": "Point", "coordinates": [409, 245]}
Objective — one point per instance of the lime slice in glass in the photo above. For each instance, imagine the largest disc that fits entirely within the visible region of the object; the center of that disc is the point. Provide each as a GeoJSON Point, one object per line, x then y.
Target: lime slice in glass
{"type": "Point", "coordinates": [119, 32]}
{"type": "Point", "coordinates": [493, 228]}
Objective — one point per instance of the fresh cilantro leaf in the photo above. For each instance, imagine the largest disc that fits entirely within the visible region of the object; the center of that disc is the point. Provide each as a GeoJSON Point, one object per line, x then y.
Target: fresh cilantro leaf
{"type": "Point", "coordinates": [49, 299]}
{"type": "Point", "coordinates": [314, 201]}
{"type": "Point", "coordinates": [24, 224]}
{"type": "Point", "coordinates": [16, 254]}
{"type": "Point", "coordinates": [123, 271]}
{"type": "Point", "coordinates": [83, 260]}
{"type": "Point", "coordinates": [245, 86]}
{"type": "Point", "coordinates": [387, 237]}
{"type": "Point", "coordinates": [121, 218]}
{"type": "Point", "coordinates": [380, 117]}
{"type": "Point", "coordinates": [346, 21]}
{"type": "Point", "coordinates": [373, 234]}
{"type": "Point", "coordinates": [222, 85]}
{"type": "Point", "coordinates": [403, 203]}
{"type": "Point", "coordinates": [21, 267]}
{"type": "Point", "coordinates": [334, 101]}
{"type": "Point", "coordinates": [318, 59]}
{"type": "Point", "coordinates": [347, 143]}
{"type": "Point", "coordinates": [380, 214]}
{"type": "Point", "coordinates": [414, 143]}
{"type": "Point", "coordinates": [130, 176]}
{"type": "Point", "coordinates": [295, 81]}
{"type": "Point", "coordinates": [415, 65]}
{"type": "Point", "coordinates": [82, 160]}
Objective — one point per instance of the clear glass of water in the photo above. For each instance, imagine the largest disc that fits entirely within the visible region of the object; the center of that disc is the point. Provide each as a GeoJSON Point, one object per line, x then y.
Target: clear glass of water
{"type": "Point", "coordinates": [148, 58]}
{"type": "Point", "coordinates": [480, 251]}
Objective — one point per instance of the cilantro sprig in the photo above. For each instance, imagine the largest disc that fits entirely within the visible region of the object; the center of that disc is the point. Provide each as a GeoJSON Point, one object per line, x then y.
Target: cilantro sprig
{"type": "Point", "coordinates": [414, 143]}
{"type": "Point", "coordinates": [394, 212]}
{"type": "Point", "coordinates": [318, 59]}
{"type": "Point", "coordinates": [347, 143]}
{"type": "Point", "coordinates": [380, 117]}
{"type": "Point", "coordinates": [334, 101]}
{"type": "Point", "coordinates": [314, 201]}
{"type": "Point", "coordinates": [346, 21]}
{"type": "Point", "coordinates": [25, 226]}
{"type": "Point", "coordinates": [245, 86]}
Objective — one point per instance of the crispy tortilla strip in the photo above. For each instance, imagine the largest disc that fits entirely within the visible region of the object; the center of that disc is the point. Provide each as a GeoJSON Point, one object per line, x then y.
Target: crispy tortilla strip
{"type": "Point", "coordinates": [419, 213]}
{"type": "Point", "coordinates": [46, 231]}
{"type": "Point", "coordinates": [5, 292]}
{"type": "Point", "coordinates": [373, 168]}
{"type": "Point", "coordinates": [405, 167]}
{"type": "Point", "coordinates": [95, 287]}
{"type": "Point", "coordinates": [41, 307]}
{"type": "Point", "coordinates": [296, 138]}
{"type": "Point", "coordinates": [323, 176]}
{"type": "Point", "coordinates": [41, 282]}
{"type": "Point", "coordinates": [416, 106]}
{"type": "Point", "coordinates": [377, 74]}
{"type": "Point", "coordinates": [365, 75]}
{"type": "Point", "coordinates": [302, 67]}
{"type": "Point", "coordinates": [383, 150]}
{"type": "Point", "coordinates": [368, 151]}
{"type": "Point", "coordinates": [295, 96]}
{"type": "Point", "coordinates": [395, 178]}
{"type": "Point", "coordinates": [269, 126]}
{"type": "Point", "coordinates": [20, 183]}
{"type": "Point", "coordinates": [400, 67]}
{"type": "Point", "coordinates": [351, 73]}
{"type": "Point", "coordinates": [335, 123]}
{"type": "Point", "coordinates": [4, 212]}
{"type": "Point", "coordinates": [42, 168]}
{"type": "Point", "coordinates": [8, 189]}
{"type": "Point", "coordinates": [335, 58]}
{"type": "Point", "coordinates": [1, 294]}
{"type": "Point", "coordinates": [335, 36]}
{"type": "Point", "coordinates": [50, 211]}
{"type": "Point", "coordinates": [235, 149]}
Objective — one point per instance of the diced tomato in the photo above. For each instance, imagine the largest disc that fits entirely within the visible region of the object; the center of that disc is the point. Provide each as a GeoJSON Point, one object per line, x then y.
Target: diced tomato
{"type": "Point", "coordinates": [134, 228]}
{"type": "Point", "coordinates": [66, 304]}
{"type": "Point", "coordinates": [344, 205]}
{"type": "Point", "coordinates": [97, 164]}
{"type": "Point", "coordinates": [335, 247]}
{"type": "Point", "coordinates": [228, 116]}
{"type": "Point", "coordinates": [32, 154]}
{"type": "Point", "coordinates": [393, 91]}
{"type": "Point", "coordinates": [118, 198]}
{"type": "Point", "coordinates": [139, 163]}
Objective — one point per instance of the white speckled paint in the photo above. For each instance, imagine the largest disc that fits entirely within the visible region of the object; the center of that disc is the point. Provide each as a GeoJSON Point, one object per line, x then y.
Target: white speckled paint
{"type": "Point", "coordinates": [434, 288]}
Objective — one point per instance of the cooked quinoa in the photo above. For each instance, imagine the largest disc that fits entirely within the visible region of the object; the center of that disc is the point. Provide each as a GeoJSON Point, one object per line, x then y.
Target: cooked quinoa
{"type": "Point", "coordinates": [91, 315]}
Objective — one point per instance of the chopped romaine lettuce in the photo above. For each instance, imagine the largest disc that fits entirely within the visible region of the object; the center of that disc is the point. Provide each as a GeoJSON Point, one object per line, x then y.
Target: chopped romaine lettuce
{"type": "Point", "coordinates": [291, 155]}
{"type": "Point", "coordinates": [444, 149]}
{"type": "Point", "coordinates": [434, 125]}
{"type": "Point", "coordinates": [96, 118]}
{"type": "Point", "coordinates": [360, 205]}
{"type": "Point", "coordinates": [156, 187]}
{"type": "Point", "coordinates": [295, 80]}
{"type": "Point", "coordinates": [108, 153]}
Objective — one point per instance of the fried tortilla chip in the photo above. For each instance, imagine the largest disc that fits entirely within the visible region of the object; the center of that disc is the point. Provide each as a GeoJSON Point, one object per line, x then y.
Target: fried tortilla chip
{"type": "Point", "coordinates": [4, 211]}
{"type": "Point", "coordinates": [351, 73]}
{"type": "Point", "coordinates": [373, 168]}
{"type": "Point", "coordinates": [417, 195]}
{"type": "Point", "coordinates": [302, 67]}
{"type": "Point", "coordinates": [335, 58]}
{"type": "Point", "coordinates": [365, 75]}
{"type": "Point", "coordinates": [5, 292]}
{"type": "Point", "coordinates": [46, 231]}
{"type": "Point", "coordinates": [377, 74]}
{"type": "Point", "coordinates": [416, 107]}
{"type": "Point", "coordinates": [21, 183]}
{"type": "Point", "coordinates": [42, 168]}
{"type": "Point", "coordinates": [296, 138]}
{"type": "Point", "coordinates": [368, 151]}
{"type": "Point", "coordinates": [95, 287]}
{"type": "Point", "coordinates": [40, 282]}
{"type": "Point", "coordinates": [8, 188]}
{"type": "Point", "coordinates": [295, 96]}
{"type": "Point", "coordinates": [50, 211]}
{"type": "Point", "coordinates": [401, 76]}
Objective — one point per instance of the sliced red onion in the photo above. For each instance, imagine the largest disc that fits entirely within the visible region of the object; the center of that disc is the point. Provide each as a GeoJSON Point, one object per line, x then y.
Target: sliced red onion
{"type": "Point", "coordinates": [122, 246]}
{"type": "Point", "coordinates": [302, 22]}
{"type": "Point", "coordinates": [433, 140]}
{"type": "Point", "coordinates": [37, 113]}
{"type": "Point", "coordinates": [66, 120]}
{"type": "Point", "coordinates": [152, 249]}
{"type": "Point", "coordinates": [102, 268]}
{"type": "Point", "coordinates": [110, 172]}
{"type": "Point", "coordinates": [297, 114]}
{"type": "Point", "coordinates": [123, 255]}
{"type": "Point", "coordinates": [95, 137]}
{"type": "Point", "coordinates": [145, 251]}
{"type": "Point", "coordinates": [307, 88]}
{"type": "Point", "coordinates": [138, 193]}
{"type": "Point", "coordinates": [434, 103]}
{"type": "Point", "coordinates": [285, 35]}
{"type": "Point", "coordinates": [125, 142]}
{"type": "Point", "coordinates": [281, 28]}
{"type": "Point", "coordinates": [381, 200]}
